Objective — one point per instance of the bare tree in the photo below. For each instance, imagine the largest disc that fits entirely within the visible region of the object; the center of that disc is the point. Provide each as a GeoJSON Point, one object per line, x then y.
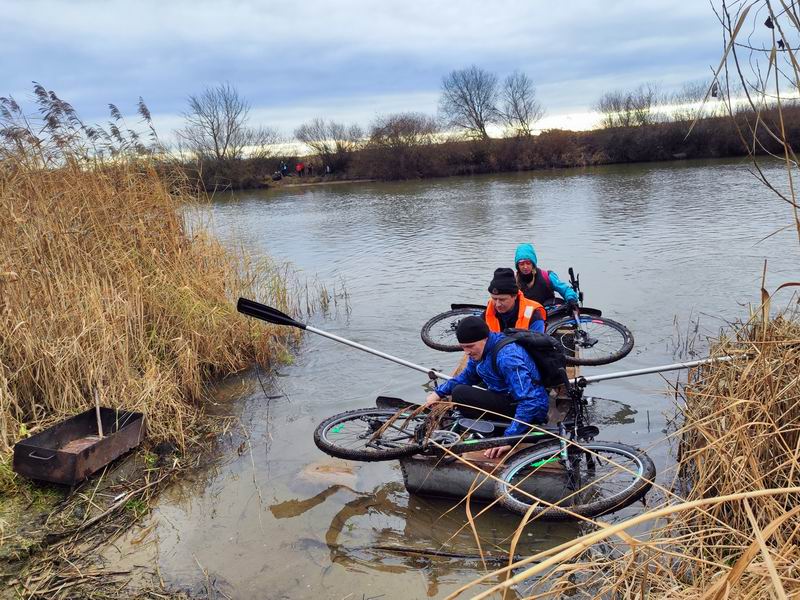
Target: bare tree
{"type": "Point", "coordinates": [400, 145]}
{"type": "Point", "coordinates": [520, 107]}
{"type": "Point", "coordinates": [698, 100]}
{"type": "Point", "coordinates": [403, 130]}
{"type": "Point", "coordinates": [333, 142]}
{"type": "Point", "coordinates": [645, 101]}
{"type": "Point", "coordinates": [630, 109]}
{"type": "Point", "coordinates": [217, 126]}
{"type": "Point", "coordinates": [469, 100]}
{"type": "Point", "coordinates": [611, 107]}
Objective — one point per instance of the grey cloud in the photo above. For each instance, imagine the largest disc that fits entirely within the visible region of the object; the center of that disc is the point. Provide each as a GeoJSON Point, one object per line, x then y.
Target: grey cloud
{"type": "Point", "coordinates": [285, 56]}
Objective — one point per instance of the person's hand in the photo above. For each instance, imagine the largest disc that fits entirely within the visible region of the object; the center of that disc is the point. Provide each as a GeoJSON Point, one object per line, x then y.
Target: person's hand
{"type": "Point", "coordinates": [572, 304]}
{"type": "Point", "coordinates": [432, 399]}
{"type": "Point", "coordinates": [496, 452]}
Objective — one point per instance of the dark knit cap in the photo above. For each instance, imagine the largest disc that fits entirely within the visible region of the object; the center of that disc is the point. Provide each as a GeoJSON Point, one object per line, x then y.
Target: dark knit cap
{"type": "Point", "coordinates": [471, 329]}
{"type": "Point", "coordinates": [504, 282]}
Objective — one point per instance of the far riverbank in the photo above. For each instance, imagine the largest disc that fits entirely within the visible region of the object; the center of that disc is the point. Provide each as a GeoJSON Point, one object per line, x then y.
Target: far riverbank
{"type": "Point", "coordinates": [718, 137]}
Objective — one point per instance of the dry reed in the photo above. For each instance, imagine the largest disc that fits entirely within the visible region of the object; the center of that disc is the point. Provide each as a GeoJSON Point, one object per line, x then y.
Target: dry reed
{"type": "Point", "coordinates": [104, 287]}
{"type": "Point", "coordinates": [734, 533]}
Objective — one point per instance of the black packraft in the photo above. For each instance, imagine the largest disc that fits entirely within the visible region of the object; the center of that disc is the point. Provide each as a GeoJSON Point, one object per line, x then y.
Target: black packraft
{"type": "Point", "coordinates": [546, 353]}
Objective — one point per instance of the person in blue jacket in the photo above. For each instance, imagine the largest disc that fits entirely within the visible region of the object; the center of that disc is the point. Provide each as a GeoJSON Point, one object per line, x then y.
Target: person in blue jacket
{"type": "Point", "coordinates": [514, 389]}
{"type": "Point", "coordinates": [538, 284]}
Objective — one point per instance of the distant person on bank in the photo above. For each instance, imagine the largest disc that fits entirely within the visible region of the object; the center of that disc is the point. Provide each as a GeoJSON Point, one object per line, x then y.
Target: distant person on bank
{"type": "Point", "coordinates": [513, 390]}
{"type": "Point", "coordinates": [538, 284]}
{"type": "Point", "coordinates": [508, 307]}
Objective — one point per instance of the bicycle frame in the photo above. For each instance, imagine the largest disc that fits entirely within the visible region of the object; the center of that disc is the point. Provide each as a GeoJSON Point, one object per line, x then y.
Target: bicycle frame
{"type": "Point", "coordinates": [573, 429]}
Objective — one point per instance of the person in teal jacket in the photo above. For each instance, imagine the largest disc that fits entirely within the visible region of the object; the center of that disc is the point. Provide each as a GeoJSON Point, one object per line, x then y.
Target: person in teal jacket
{"type": "Point", "coordinates": [538, 284]}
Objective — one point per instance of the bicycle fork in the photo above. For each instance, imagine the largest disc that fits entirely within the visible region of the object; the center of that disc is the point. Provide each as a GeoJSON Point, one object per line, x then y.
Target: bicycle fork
{"type": "Point", "coordinates": [582, 338]}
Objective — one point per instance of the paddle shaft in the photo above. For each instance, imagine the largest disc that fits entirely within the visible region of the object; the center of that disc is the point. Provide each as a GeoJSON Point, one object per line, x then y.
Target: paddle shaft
{"type": "Point", "coordinates": [660, 369]}
{"type": "Point", "coordinates": [273, 315]}
{"type": "Point", "coordinates": [399, 361]}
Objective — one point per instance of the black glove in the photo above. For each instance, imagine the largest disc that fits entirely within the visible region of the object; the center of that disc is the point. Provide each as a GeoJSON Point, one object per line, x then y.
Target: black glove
{"type": "Point", "coordinates": [572, 304]}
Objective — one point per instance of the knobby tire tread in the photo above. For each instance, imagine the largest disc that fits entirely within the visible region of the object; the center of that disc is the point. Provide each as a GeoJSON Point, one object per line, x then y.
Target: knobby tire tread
{"type": "Point", "coordinates": [623, 351]}
{"type": "Point", "coordinates": [425, 334]}
{"type": "Point", "coordinates": [372, 455]}
{"type": "Point", "coordinates": [590, 510]}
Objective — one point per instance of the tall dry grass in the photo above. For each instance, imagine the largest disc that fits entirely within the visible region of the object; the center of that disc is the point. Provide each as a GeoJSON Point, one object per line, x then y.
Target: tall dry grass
{"type": "Point", "coordinates": [102, 286]}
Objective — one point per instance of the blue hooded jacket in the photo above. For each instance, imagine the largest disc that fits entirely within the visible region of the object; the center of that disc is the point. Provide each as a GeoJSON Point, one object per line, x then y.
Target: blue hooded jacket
{"type": "Point", "coordinates": [517, 376]}
{"type": "Point", "coordinates": [526, 251]}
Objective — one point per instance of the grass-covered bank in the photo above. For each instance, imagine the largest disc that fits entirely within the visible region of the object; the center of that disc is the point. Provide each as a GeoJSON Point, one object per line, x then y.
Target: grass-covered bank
{"type": "Point", "coordinates": [105, 291]}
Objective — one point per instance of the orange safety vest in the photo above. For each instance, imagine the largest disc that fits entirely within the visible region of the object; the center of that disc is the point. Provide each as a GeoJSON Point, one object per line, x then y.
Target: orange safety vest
{"type": "Point", "coordinates": [527, 309]}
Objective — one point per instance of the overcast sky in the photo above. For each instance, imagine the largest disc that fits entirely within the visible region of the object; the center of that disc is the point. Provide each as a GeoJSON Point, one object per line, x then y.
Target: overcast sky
{"type": "Point", "coordinates": [348, 60]}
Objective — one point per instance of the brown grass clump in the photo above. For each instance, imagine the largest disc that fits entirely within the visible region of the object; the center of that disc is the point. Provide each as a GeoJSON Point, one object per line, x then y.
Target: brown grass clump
{"type": "Point", "coordinates": [104, 288]}
{"type": "Point", "coordinates": [730, 528]}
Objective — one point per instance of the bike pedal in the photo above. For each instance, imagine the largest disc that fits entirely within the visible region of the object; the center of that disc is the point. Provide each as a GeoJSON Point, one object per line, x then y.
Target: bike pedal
{"type": "Point", "coordinates": [588, 432]}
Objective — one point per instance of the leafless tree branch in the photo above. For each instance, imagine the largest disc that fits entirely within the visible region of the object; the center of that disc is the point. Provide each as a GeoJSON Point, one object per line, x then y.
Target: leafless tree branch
{"type": "Point", "coordinates": [469, 100]}
{"type": "Point", "coordinates": [520, 107]}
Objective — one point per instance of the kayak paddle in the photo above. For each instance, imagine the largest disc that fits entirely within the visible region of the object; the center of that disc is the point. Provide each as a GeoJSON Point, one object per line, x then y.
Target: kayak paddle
{"type": "Point", "coordinates": [251, 308]}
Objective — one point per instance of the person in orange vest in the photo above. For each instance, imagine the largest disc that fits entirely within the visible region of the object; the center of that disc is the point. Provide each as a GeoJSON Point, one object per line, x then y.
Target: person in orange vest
{"type": "Point", "coordinates": [508, 307]}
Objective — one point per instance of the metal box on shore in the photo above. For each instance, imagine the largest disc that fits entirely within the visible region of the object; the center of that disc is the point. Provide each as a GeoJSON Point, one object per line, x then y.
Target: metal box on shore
{"type": "Point", "coordinates": [70, 451]}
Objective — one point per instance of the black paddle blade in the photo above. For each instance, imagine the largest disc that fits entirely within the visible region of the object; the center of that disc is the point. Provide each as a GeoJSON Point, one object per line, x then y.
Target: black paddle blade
{"type": "Point", "coordinates": [251, 308]}
{"type": "Point", "coordinates": [394, 403]}
{"type": "Point", "coordinates": [460, 306]}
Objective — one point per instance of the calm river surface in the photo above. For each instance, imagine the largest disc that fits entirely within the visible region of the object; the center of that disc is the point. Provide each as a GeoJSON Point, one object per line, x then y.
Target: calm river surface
{"type": "Point", "coordinates": [661, 248]}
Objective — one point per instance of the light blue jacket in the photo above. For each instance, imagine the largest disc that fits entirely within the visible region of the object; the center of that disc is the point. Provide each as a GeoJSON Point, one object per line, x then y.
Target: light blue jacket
{"type": "Point", "coordinates": [517, 376]}
{"type": "Point", "coordinates": [562, 289]}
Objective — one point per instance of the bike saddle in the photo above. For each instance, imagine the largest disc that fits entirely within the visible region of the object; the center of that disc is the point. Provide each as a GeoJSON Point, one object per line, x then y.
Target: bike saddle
{"type": "Point", "coordinates": [477, 426]}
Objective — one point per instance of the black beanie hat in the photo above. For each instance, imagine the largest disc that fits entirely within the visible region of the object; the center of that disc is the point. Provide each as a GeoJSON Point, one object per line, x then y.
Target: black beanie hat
{"type": "Point", "coordinates": [471, 329]}
{"type": "Point", "coordinates": [504, 282]}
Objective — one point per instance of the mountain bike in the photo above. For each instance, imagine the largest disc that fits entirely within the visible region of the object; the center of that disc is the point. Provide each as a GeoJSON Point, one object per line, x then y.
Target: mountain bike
{"type": "Point", "coordinates": [564, 465]}
{"type": "Point", "coordinates": [587, 337]}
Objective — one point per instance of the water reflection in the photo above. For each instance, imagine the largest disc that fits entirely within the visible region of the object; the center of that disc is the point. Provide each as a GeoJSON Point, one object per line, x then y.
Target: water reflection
{"type": "Point", "coordinates": [655, 245]}
{"type": "Point", "coordinates": [295, 507]}
{"type": "Point", "coordinates": [390, 531]}
{"type": "Point", "coordinates": [604, 411]}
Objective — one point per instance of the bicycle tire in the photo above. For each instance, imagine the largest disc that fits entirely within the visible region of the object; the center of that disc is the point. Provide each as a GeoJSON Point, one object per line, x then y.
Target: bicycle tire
{"type": "Point", "coordinates": [439, 332]}
{"type": "Point", "coordinates": [590, 499]}
{"type": "Point", "coordinates": [613, 340]}
{"type": "Point", "coordinates": [349, 435]}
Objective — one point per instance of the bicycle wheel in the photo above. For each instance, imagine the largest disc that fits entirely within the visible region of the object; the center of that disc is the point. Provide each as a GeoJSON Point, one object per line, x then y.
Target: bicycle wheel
{"type": "Point", "coordinates": [440, 332]}
{"type": "Point", "coordinates": [352, 435]}
{"type": "Point", "coordinates": [605, 476]}
{"type": "Point", "coordinates": [599, 341]}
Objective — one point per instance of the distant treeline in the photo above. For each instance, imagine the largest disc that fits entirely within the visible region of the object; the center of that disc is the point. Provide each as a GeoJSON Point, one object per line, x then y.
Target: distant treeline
{"type": "Point", "coordinates": [636, 125]}
{"type": "Point", "coordinates": [218, 147]}
{"type": "Point", "coordinates": [412, 151]}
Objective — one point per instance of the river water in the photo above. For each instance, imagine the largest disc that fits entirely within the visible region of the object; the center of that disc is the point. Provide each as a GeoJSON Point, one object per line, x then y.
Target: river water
{"type": "Point", "coordinates": [673, 250]}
